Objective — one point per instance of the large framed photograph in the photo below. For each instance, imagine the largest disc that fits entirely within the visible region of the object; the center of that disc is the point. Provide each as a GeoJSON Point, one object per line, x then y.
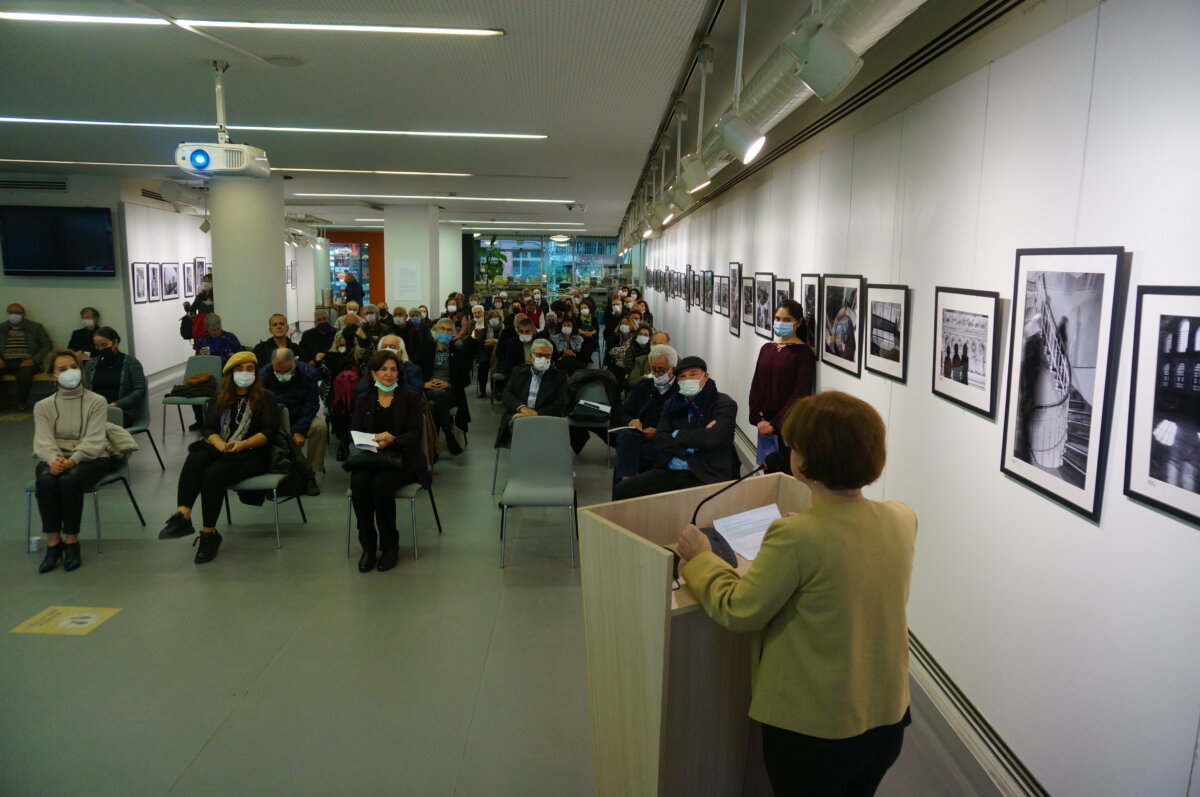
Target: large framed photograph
{"type": "Point", "coordinates": [187, 272]}
{"type": "Point", "coordinates": [708, 292]}
{"type": "Point", "coordinates": [721, 295]}
{"type": "Point", "coordinates": [200, 271]}
{"type": "Point", "coordinates": [698, 290]}
{"type": "Point", "coordinates": [887, 333]}
{"type": "Point", "coordinates": [841, 329]}
{"type": "Point", "coordinates": [1162, 455]}
{"type": "Point", "coordinates": [170, 281]}
{"type": "Point", "coordinates": [964, 348]}
{"type": "Point", "coordinates": [139, 282]}
{"type": "Point", "coordinates": [783, 290]}
{"type": "Point", "coordinates": [1061, 369]}
{"type": "Point", "coordinates": [154, 272]}
{"type": "Point", "coordinates": [687, 289]}
{"type": "Point", "coordinates": [764, 313]}
{"type": "Point", "coordinates": [810, 300]}
{"type": "Point", "coordinates": [735, 299]}
{"type": "Point", "coordinates": [748, 300]}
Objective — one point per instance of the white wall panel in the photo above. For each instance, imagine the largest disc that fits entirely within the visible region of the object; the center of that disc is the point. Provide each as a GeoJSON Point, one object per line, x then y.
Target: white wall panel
{"type": "Point", "coordinates": [833, 209]}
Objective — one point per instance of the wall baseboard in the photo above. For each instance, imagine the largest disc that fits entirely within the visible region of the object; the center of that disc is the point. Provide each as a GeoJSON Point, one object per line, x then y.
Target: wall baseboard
{"type": "Point", "coordinates": [998, 761]}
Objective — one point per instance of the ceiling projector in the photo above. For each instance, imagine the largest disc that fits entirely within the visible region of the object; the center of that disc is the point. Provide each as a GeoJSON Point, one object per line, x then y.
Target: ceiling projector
{"type": "Point", "coordinates": [222, 160]}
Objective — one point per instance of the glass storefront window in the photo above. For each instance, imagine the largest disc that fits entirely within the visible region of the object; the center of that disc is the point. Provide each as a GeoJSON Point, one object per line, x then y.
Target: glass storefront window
{"type": "Point", "coordinates": [539, 259]}
{"type": "Point", "coordinates": [348, 257]}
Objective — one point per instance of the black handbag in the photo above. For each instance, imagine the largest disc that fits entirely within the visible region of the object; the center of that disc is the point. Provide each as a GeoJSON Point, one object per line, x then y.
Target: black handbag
{"type": "Point", "coordinates": [375, 460]}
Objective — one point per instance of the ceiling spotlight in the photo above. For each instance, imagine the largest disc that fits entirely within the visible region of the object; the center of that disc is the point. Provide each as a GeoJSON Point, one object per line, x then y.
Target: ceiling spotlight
{"type": "Point", "coordinates": [741, 138]}
{"type": "Point", "coordinates": [664, 212]}
{"type": "Point", "coordinates": [695, 176]}
{"type": "Point", "coordinates": [645, 229]}
{"type": "Point", "coordinates": [205, 225]}
{"type": "Point", "coordinates": [824, 62]}
{"type": "Point", "coordinates": [680, 196]}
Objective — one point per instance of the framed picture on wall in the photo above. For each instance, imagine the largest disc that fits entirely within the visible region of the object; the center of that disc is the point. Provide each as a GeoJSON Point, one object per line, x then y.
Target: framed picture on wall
{"type": "Point", "coordinates": [187, 272]}
{"type": "Point", "coordinates": [170, 281]}
{"type": "Point", "coordinates": [698, 290]}
{"type": "Point", "coordinates": [1061, 372]}
{"type": "Point", "coordinates": [708, 292]}
{"type": "Point", "coordinates": [155, 275]}
{"type": "Point", "coordinates": [721, 295]}
{"type": "Point", "coordinates": [748, 300]}
{"type": "Point", "coordinates": [1162, 455]}
{"type": "Point", "coordinates": [783, 290]}
{"type": "Point", "coordinates": [887, 331]}
{"type": "Point", "coordinates": [687, 288]}
{"type": "Point", "coordinates": [810, 300]}
{"type": "Point", "coordinates": [964, 348]}
{"type": "Point", "coordinates": [764, 294]}
{"type": "Point", "coordinates": [139, 282]}
{"type": "Point", "coordinates": [735, 299]}
{"type": "Point", "coordinates": [841, 321]}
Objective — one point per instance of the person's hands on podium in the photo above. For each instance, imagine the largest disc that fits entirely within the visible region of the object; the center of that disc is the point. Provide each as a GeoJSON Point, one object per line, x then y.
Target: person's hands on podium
{"type": "Point", "coordinates": [692, 542]}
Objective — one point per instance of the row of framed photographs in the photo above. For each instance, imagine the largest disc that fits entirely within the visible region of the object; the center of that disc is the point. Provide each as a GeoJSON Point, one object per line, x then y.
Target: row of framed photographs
{"type": "Point", "coordinates": [153, 282]}
{"type": "Point", "coordinates": [1067, 308]}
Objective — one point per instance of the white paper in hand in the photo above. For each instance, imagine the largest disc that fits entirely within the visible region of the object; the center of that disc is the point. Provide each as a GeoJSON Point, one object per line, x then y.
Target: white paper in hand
{"type": "Point", "coordinates": [744, 531]}
{"type": "Point", "coordinates": [364, 441]}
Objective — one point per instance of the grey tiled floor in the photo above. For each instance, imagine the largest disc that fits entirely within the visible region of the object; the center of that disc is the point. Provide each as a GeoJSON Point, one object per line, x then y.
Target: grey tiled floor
{"type": "Point", "coordinates": [288, 672]}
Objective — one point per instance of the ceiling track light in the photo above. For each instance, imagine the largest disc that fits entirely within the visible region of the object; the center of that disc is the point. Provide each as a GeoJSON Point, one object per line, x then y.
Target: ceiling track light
{"type": "Point", "coordinates": [740, 137]}
{"type": "Point", "coordinates": [824, 62]}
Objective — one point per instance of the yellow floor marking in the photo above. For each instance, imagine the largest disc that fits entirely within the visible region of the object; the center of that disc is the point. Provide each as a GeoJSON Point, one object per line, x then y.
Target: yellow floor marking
{"type": "Point", "coordinates": [70, 620]}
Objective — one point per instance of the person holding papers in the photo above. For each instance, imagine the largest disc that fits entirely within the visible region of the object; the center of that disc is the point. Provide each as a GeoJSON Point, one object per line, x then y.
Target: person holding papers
{"type": "Point", "coordinates": [826, 596]}
{"type": "Point", "coordinates": [389, 418]}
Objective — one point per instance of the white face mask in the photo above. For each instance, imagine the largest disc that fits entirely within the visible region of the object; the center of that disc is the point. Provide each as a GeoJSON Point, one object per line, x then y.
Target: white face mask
{"type": "Point", "coordinates": [370, 318]}
{"type": "Point", "coordinates": [537, 297]}
{"type": "Point", "coordinates": [585, 311]}
{"type": "Point", "coordinates": [568, 330]}
{"type": "Point", "coordinates": [285, 377]}
{"type": "Point", "coordinates": [342, 349]}
{"type": "Point", "coordinates": [643, 339]}
{"type": "Point", "coordinates": [243, 379]}
{"type": "Point", "coordinates": [541, 363]}
{"type": "Point", "coordinates": [689, 387]}
{"type": "Point", "coordinates": [15, 318]}
{"type": "Point", "coordinates": [70, 378]}
{"type": "Point", "coordinates": [493, 322]}
{"type": "Point", "coordinates": [206, 286]}
{"type": "Point", "coordinates": [89, 323]}
{"type": "Point", "coordinates": [664, 380]}
{"type": "Point", "coordinates": [525, 338]}
{"type": "Point", "coordinates": [474, 303]}
{"type": "Point", "coordinates": [452, 308]}
{"type": "Point", "coordinates": [623, 329]}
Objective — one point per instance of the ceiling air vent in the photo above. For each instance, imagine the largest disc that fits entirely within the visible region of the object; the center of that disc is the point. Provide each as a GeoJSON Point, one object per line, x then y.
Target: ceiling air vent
{"type": "Point", "coordinates": [148, 194]}
{"type": "Point", "coordinates": [58, 184]}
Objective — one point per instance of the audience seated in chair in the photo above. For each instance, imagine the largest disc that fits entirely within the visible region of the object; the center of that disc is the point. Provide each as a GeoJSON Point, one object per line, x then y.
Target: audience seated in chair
{"type": "Point", "coordinates": [636, 452]}
{"type": "Point", "coordinates": [641, 364]}
{"type": "Point", "coordinates": [395, 418]}
{"type": "Point", "coordinates": [70, 442]}
{"type": "Point", "coordinates": [279, 328]}
{"type": "Point", "coordinates": [294, 385]}
{"type": "Point", "coordinates": [316, 341]}
{"type": "Point", "coordinates": [534, 389]}
{"type": "Point", "coordinates": [236, 444]}
{"type": "Point", "coordinates": [568, 348]}
{"type": "Point", "coordinates": [514, 348]}
{"type": "Point", "coordinates": [115, 375]}
{"type": "Point", "coordinates": [693, 438]}
{"type": "Point", "coordinates": [24, 346]}
{"type": "Point", "coordinates": [446, 364]}
{"type": "Point", "coordinates": [81, 339]}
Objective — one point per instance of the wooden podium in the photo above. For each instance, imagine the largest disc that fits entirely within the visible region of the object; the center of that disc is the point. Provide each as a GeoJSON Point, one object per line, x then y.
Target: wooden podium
{"type": "Point", "coordinates": [669, 687]}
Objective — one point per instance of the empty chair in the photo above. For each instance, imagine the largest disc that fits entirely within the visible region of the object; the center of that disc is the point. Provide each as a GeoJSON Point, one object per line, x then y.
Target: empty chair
{"type": "Point", "coordinates": [269, 483]}
{"type": "Point", "coordinates": [539, 471]}
{"type": "Point", "coordinates": [141, 425]}
{"type": "Point", "coordinates": [198, 364]}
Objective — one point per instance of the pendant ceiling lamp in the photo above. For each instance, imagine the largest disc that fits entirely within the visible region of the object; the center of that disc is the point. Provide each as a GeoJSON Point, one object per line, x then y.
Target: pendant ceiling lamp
{"type": "Point", "coordinates": [740, 137]}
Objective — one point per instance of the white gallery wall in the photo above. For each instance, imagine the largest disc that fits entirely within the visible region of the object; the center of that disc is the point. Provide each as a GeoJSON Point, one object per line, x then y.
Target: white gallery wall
{"type": "Point", "coordinates": [161, 236]}
{"type": "Point", "coordinates": [1076, 640]}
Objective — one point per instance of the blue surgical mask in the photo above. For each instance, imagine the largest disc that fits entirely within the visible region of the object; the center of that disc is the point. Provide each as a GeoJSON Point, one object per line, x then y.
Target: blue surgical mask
{"type": "Point", "coordinates": [689, 387]}
{"type": "Point", "coordinates": [784, 329]}
{"type": "Point", "coordinates": [414, 320]}
{"type": "Point", "coordinates": [385, 388]}
{"type": "Point", "coordinates": [284, 377]}
{"type": "Point", "coordinates": [444, 337]}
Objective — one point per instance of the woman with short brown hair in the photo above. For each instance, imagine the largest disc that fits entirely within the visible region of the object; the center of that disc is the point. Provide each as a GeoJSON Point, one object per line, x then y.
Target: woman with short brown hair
{"type": "Point", "coordinates": [826, 597]}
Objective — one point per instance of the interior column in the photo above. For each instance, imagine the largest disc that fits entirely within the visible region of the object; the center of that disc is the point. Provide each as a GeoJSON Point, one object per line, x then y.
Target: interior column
{"type": "Point", "coordinates": [450, 261]}
{"type": "Point", "coordinates": [412, 271]}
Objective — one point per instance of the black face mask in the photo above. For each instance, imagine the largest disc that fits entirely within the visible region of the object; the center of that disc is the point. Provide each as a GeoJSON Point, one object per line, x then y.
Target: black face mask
{"type": "Point", "coordinates": [107, 354]}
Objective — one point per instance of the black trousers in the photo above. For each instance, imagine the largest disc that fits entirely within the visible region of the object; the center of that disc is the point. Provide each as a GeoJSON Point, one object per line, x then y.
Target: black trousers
{"type": "Point", "coordinates": [807, 766]}
{"type": "Point", "coordinates": [372, 494]}
{"type": "Point", "coordinates": [60, 498]}
{"type": "Point", "coordinates": [208, 473]}
{"type": "Point", "coordinates": [653, 482]}
{"type": "Point", "coordinates": [24, 374]}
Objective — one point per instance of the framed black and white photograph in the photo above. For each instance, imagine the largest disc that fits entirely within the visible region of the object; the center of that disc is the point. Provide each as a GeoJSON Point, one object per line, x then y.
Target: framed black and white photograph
{"type": "Point", "coordinates": [1061, 372]}
{"type": "Point", "coordinates": [735, 299]}
{"type": "Point", "coordinates": [748, 300]}
{"type": "Point", "coordinates": [708, 292]}
{"type": "Point", "coordinates": [698, 290]}
{"type": "Point", "coordinates": [170, 281]}
{"type": "Point", "coordinates": [841, 326]}
{"type": "Point", "coordinates": [139, 281]}
{"type": "Point", "coordinates": [198, 263]}
{"type": "Point", "coordinates": [965, 335]}
{"type": "Point", "coordinates": [810, 300]}
{"type": "Point", "coordinates": [887, 331]}
{"type": "Point", "coordinates": [687, 289]}
{"type": "Point", "coordinates": [154, 273]}
{"type": "Point", "coordinates": [721, 295]}
{"type": "Point", "coordinates": [764, 295]}
{"type": "Point", "coordinates": [187, 272]}
{"type": "Point", "coordinates": [1162, 455]}
{"type": "Point", "coordinates": [783, 290]}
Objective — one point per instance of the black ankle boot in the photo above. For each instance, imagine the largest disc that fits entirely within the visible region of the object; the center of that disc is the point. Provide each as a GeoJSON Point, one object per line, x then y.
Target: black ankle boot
{"type": "Point", "coordinates": [50, 560]}
{"type": "Point", "coordinates": [451, 443]}
{"type": "Point", "coordinates": [366, 562]}
{"type": "Point", "coordinates": [71, 556]}
{"type": "Point", "coordinates": [208, 544]}
{"type": "Point", "coordinates": [388, 559]}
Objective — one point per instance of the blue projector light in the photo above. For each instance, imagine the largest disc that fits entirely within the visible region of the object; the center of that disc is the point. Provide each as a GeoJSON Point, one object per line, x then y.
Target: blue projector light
{"type": "Point", "coordinates": [199, 159]}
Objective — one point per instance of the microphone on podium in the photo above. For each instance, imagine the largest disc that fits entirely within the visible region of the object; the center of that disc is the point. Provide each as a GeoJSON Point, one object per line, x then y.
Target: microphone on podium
{"type": "Point", "coordinates": [720, 546]}
{"type": "Point", "coordinates": [723, 489]}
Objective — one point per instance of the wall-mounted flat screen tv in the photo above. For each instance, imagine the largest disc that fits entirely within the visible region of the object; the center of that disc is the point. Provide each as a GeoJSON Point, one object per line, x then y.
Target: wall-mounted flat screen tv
{"type": "Point", "coordinates": [42, 241]}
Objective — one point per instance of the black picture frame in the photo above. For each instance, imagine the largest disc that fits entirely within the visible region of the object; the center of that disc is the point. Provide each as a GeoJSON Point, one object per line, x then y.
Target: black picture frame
{"type": "Point", "coordinates": [187, 272]}
{"type": "Point", "coordinates": [810, 300]}
{"type": "Point", "coordinates": [170, 280]}
{"type": "Point", "coordinates": [888, 340]}
{"type": "Point", "coordinates": [764, 294]}
{"type": "Point", "coordinates": [707, 287]}
{"type": "Point", "coordinates": [154, 275]}
{"type": "Point", "coordinates": [687, 289]}
{"type": "Point", "coordinates": [139, 282]}
{"type": "Point", "coordinates": [971, 317]}
{"type": "Point", "coordinates": [842, 298]}
{"type": "Point", "coordinates": [735, 299]}
{"type": "Point", "coordinates": [1161, 463]}
{"type": "Point", "coordinates": [721, 295]}
{"type": "Point", "coordinates": [781, 290]}
{"type": "Point", "coordinates": [747, 300]}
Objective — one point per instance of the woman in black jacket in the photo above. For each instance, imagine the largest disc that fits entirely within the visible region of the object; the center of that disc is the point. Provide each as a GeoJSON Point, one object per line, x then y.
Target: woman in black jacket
{"type": "Point", "coordinates": [393, 415]}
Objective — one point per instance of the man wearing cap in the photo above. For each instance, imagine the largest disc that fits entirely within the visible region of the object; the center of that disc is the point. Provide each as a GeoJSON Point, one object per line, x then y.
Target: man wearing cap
{"type": "Point", "coordinates": [693, 440]}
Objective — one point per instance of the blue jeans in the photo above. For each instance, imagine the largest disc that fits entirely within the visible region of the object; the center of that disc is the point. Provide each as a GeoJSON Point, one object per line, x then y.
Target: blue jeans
{"type": "Point", "coordinates": [635, 454]}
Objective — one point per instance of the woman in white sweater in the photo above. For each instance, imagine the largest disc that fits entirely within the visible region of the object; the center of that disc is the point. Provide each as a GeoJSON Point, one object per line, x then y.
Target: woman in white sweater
{"type": "Point", "coordinates": [70, 442]}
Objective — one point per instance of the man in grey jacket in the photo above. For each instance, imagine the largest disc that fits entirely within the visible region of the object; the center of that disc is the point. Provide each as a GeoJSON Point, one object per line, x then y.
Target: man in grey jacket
{"type": "Point", "coordinates": [24, 344]}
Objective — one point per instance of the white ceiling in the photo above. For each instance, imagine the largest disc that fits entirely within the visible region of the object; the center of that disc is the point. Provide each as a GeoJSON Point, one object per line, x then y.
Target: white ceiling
{"type": "Point", "coordinates": [595, 77]}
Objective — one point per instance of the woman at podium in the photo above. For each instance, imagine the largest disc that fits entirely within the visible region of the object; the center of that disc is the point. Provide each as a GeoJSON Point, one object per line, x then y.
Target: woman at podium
{"type": "Point", "coordinates": [826, 597]}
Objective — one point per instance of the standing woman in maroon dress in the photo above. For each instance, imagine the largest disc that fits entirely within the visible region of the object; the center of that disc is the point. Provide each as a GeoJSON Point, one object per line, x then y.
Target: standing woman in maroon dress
{"type": "Point", "coordinates": [785, 373]}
